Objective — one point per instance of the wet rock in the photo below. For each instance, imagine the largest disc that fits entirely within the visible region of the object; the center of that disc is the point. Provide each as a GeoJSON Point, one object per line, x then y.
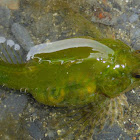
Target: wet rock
{"type": "Point", "coordinates": [12, 103]}
{"type": "Point", "coordinates": [22, 36]}
{"type": "Point", "coordinates": [44, 27]}
{"type": "Point", "coordinates": [115, 132]}
{"type": "Point", "coordinates": [105, 21]}
{"type": "Point", "coordinates": [4, 17]}
{"type": "Point", "coordinates": [136, 10]}
{"type": "Point", "coordinates": [135, 33]}
{"type": "Point", "coordinates": [12, 129]}
{"type": "Point", "coordinates": [136, 46]}
{"type": "Point", "coordinates": [122, 18]}
{"type": "Point", "coordinates": [133, 97]}
{"type": "Point", "coordinates": [34, 129]}
{"type": "Point", "coordinates": [135, 37]}
{"type": "Point", "coordinates": [133, 18]}
{"type": "Point", "coordinates": [135, 3]}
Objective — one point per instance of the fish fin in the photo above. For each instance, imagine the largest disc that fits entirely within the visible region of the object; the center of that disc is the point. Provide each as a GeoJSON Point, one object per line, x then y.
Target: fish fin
{"type": "Point", "coordinates": [11, 52]}
{"type": "Point", "coordinates": [51, 47]}
{"type": "Point", "coordinates": [116, 108]}
{"type": "Point", "coordinates": [83, 122]}
{"type": "Point", "coordinates": [80, 122]}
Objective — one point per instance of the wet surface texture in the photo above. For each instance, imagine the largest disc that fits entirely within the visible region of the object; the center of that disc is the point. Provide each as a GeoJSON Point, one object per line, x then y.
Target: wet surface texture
{"type": "Point", "coordinates": [32, 22]}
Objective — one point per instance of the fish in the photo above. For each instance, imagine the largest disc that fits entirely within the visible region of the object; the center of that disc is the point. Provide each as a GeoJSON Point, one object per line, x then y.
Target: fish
{"type": "Point", "coordinates": [86, 77]}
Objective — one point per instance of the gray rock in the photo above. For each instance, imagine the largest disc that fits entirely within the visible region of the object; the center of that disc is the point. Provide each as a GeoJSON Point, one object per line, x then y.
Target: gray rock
{"type": "Point", "coordinates": [136, 45]}
{"type": "Point", "coordinates": [4, 17]}
{"type": "Point", "coordinates": [136, 10]}
{"type": "Point", "coordinates": [135, 33]}
{"type": "Point", "coordinates": [12, 104]}
{"type": "Point", "coordinates": [135, 38]}
{"type": "Point", "coordinates": [35, 131]}
{"type": "Point", "coordinates": [22, 36]}
{"type": "Point", "coordinates": [105, 21]}
{"type": "Point", "coordinates": [133, 18]}
{"type": "Point", "coordinates": [122, 18]}
{"type": "Point", "coordinates": [113, 133]}
{"type": "Point", "coordinates": [135, 2]}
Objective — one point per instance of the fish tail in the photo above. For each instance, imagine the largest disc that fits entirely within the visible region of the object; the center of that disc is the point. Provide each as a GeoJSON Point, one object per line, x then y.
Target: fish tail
{"type": "Point", "coordinates": [10, 52]}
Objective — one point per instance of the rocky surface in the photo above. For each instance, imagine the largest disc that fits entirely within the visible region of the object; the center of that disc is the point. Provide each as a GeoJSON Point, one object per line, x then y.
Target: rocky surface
{"type": "Point", "coordinates": [21, 117]}
{"type": "Point", "coordinates": [22, 35]}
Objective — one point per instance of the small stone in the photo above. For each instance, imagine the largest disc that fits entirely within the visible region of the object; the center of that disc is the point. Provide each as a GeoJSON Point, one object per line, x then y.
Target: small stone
{"type": "Point", "coordinates": [122, 18]}
{"type": "Point", "coordinates": [22, 36]}
{"type": "Point", "coordinates": [4, 16]}
{"type": "Point", "coordinates": [13, 104]}
{"type": "Point", "coordinates": [133, 18]}
{"type": "Point", "coordinates": [35, 131]}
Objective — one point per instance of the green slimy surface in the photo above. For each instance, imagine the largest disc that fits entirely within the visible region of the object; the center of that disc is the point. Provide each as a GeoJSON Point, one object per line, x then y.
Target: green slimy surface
{"type": "Point", "coordinates": [69, 78]}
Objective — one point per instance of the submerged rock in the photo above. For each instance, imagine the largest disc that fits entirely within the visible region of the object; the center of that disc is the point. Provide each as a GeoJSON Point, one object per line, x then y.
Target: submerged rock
{"type": "Point", "coordinates": [22, 36]}
{"type": "Point", "coordinates": [5, 14]}
{"type": "Point", "coordinates": [13, 103]}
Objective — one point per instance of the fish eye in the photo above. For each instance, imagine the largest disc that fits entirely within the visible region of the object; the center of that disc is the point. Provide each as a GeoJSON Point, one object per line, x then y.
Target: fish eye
{"type": "Point", "coordinates": [137, 76]}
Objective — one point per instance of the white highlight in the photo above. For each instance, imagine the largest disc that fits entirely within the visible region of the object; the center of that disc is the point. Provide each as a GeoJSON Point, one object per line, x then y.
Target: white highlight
{"type": "Point", "coordinates": [72, 61]}
{"type": "Point", "coordinates": [123, 66]}
{"type": "Point", "coordinates": [116, 66]}
{"type": "Point", "coordinates": [133, 91]}
{"type": "Point", "coordinates": [62, 62]}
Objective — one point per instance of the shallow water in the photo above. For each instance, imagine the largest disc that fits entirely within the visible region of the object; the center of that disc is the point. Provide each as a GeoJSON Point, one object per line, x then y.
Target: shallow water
{"type": "Point", "coordinates": [31, 22]}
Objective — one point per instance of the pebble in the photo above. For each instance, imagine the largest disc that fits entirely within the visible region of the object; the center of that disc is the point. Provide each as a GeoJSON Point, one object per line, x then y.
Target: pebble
{"type": "Point", "coordinates": [22, 36]}
{"type": "Point", "coordinates": [133, 18]}
{"type": "Point", "coordinates": [12, 104]}
{"type": "Point", "coordinates": [122, 18]}
{"type": "Point", "coordinates": [5, 15]}
{"type": "Point", "coordinates": [113, 133]}
{"type": "Point", "coordinates": [135, 33]}
{"type": "Point", "coordinates": [35, 131]}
